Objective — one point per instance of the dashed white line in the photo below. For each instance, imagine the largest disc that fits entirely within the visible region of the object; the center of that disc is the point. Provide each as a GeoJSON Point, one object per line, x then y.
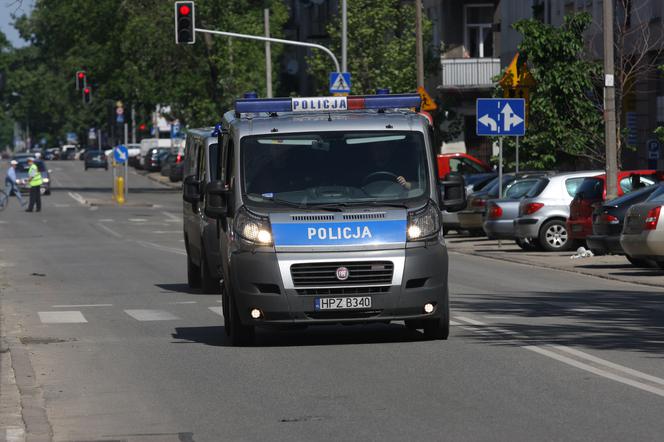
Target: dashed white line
{"type": "Point", "coordinates": [151, 315]}
{"type": "Point", "coordinates": [137, 220]}
{"type": "Point", "coordinates": [217, 310]}
{"type": "Point", "coordinates": [62, 317]}
{"type": "Point", "coordinates": [15, 434]}
{"type": "Point", "coordinates": [81, 305]}
{"type": "Point", "coordinates": [184, 302]}
{"type": "Point", "coordinates": [171, 217]}
{"type": "Point", "coordinates": [109, 230]}
{"type": "Point", "coordinates": [77, 197]}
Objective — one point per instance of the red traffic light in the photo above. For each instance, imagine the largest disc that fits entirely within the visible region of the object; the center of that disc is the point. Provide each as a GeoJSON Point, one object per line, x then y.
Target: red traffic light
{"type": "Point", "coordinates": [86, 90]}
{"type": "Point", "coordinates": [81, 75]}
{"type": "Point", "coordinates": [185, 10]}
{"type": "Point", "coordinates": [142, 126]}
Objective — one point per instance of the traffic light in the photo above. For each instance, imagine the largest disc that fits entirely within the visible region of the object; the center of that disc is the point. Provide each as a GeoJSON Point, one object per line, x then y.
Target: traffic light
{"type": "Point", "coordinates": [87, 95]}
{"type": "Point", "coordinates": [185, 23]}
{"type": "Point", "coordinates": [80, 80]}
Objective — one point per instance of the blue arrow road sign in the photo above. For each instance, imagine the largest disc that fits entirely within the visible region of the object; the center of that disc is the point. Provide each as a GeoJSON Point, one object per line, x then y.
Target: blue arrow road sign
{"type": "Point", "coordinates": [339, 82]}
{"type": "Point", "coordinates": [501, 116]}
{"type": "Point", "coordinates": [120, 153]}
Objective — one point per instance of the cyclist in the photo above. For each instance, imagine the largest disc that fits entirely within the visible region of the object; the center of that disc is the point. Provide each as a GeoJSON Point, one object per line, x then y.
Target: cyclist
{"type": "Point", "coordinates": [10, 183]}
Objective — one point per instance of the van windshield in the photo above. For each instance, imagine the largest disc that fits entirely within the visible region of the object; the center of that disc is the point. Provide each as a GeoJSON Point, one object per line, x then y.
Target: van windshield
{"type": "Point", "coordinates": [334, 167]}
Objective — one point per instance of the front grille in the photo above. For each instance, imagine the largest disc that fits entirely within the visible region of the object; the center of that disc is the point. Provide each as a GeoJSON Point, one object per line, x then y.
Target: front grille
{"type": "Point", "coordinates": [343, 291]}
{"type": "Point", "coordinates": [312, 217]}
{"type": "Point", "coordinates": [325, 273]}
{"type": "Point", "coordinates": [362, 216]}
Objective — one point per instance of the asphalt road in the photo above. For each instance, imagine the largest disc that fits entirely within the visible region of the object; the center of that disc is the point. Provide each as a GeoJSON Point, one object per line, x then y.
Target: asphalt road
{"type": "Point", "coordinates": [95, 304]}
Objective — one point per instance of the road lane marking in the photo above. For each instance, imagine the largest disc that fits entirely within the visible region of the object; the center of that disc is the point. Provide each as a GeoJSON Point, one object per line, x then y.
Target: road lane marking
{"type": "Point", "coordinates": [601, 366]}
{"type": "Point", "coordinates": [81, 305]}
{"type": "Point", "coordinates": [454, 323]}
{"type": "Point", "coordinates": [106, 220]}
{"type": "Point", "coordinates": [61, 205]}
{"type": "Point", "coordinates": [169, 232]}
{"type": "Point", "coordinates": [184, 302]}
{"type": "Point", "coordinates": [62, 317]}
{"type": "Point", "coordinates": [152, 245]}
{"type": "Point", "coordinates": [137, 220]}
{"type": "Point", "coordinates": [151, 315]}
{"type": "Point", "coordinates": [217, 310]}
{"type": "Point", "coordinates": [77, 197]}
{"type": "Point", "coordinates": [15, 434]}
{"type": "Point", "coordinates": [609, 364]}
{"type": "Point", "coordinates": [109, 230]}
{"type": "Point", "coordinates": [594, 370]}
{"type": "Point", "coordinates": [172, 217]}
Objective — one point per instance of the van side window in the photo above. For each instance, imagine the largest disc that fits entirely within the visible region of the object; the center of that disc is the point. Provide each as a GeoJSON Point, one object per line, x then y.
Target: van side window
{"type": "Point", "coordinates": [201, 173]}
{"type": "Point", "coordinates": [190, 156]}
{"type": "Point", "coordinates": [214, 153]}
{"type": "Point", "coordinates": [229, 162]}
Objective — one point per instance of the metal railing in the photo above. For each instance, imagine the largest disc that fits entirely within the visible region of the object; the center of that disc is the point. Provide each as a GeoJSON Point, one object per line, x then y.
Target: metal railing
{"type": "Point", "coordinates": [469, 72]}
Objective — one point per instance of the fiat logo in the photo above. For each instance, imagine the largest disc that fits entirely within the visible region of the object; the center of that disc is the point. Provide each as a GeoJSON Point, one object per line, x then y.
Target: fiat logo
{"type": "Point", "coordinates": [342, 273]}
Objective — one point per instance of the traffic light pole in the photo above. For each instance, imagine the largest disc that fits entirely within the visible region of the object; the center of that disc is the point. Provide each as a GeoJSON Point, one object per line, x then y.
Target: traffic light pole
{"type": "Point", "coordinates": [274, 40]}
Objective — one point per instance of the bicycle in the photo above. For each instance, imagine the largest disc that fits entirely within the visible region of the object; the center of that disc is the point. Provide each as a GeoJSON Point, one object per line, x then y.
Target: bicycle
{"type": "Point", "coordinates": [4, 200]}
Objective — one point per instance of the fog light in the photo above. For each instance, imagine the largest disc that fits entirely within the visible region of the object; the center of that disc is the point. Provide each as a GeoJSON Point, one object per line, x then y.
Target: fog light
{"type": "Point", "coordinates": [428, 307]}
{"type": "Point", "coordinates": [255, 313]}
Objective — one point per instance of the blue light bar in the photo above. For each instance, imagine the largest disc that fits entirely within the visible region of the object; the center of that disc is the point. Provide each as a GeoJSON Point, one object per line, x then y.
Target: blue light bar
{"type": "Point", "coordinates": [328, 104]}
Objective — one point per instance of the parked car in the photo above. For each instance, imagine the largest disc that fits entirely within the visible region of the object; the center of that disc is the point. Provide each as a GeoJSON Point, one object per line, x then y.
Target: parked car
{"type": "Point", "coordinates": [52, 153]}
{"type": "Point", "coordinates": [608, 220]}
{"type": "Point", "coordinates": [22, 176]}
{"type": "Point", "coordinates": [500, 213]}
{"type": "Point", "coordinates": [172, 167]}
{"type": "Point", "coordinates": [642, 237]}
{"type": "Point", "coordinates": [96, 160]}
{"type": "Point", "coordinates": [472, 217]}
{"type": "Point", "coordinates": [155, 157]}
{"type": "Point", "coordinates": [544, 211]}
{"type": "Point", "coordinates": [592, 192]}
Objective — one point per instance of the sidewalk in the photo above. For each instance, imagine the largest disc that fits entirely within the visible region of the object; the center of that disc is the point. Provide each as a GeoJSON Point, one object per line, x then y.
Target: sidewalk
{"type": "Point", "coordinates": [609, 267]}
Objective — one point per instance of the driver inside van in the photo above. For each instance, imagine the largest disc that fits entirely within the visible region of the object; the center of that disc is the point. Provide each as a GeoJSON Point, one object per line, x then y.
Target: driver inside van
{"type": "Point", "coordinates": [384, 159]}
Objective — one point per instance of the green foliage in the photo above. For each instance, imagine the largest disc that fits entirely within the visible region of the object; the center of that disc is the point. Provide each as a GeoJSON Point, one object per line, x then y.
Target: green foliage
{"type": "Point", "coordinates": [128, 49]}
{"type": "Point", "coordinates": [381, 47]}
{"type": "Point", "coordinates": [565, 125]}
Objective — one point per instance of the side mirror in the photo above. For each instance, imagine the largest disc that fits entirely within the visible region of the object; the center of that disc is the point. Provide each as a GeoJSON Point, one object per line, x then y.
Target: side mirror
{"type": "Point", "coordinates": [191, 190]}
{"type": "Point", "coordinates": [452, 192]}
{"type": "Point", "coordinates": [216, 201]}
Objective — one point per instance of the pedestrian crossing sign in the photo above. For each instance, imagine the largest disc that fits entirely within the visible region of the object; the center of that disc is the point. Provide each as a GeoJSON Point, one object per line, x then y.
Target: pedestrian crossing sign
{"type": "Point", "coordinates": [427, 102]}
{"type": "Point", "coordinates": [339, 82]}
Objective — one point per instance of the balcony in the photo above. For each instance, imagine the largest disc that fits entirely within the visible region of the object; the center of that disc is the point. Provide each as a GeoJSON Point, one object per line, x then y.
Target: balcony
{"type": "Point", "coordinates": [469, 73]}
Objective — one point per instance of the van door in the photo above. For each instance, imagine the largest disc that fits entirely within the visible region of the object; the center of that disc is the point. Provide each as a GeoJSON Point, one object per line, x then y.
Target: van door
{"type": "Point", "coordinates": [198, 225]}
{"type": "Point", "coordinates": [227, 176]}
{"type": "Point", "coordinates": [190, 210]}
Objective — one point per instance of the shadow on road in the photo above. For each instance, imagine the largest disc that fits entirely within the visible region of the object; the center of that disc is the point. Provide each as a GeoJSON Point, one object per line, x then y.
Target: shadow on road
{"type": "Point", "coordinates": [300, 337]}
{"type": "Point", "coordinates": [595, 319]}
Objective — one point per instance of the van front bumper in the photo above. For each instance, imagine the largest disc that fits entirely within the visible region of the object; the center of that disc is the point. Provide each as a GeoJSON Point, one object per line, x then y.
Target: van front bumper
{"type": "Point", "coordinates": [262, 281]}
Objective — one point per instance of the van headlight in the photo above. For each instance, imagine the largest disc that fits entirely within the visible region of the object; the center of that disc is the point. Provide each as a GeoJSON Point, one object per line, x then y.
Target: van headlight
{"type": "Point", "coordinates": [253, 228]}
{"type": "Point", "coordinates": [46, 180]}
{"type": "Point", "coordinates": [423, 223]}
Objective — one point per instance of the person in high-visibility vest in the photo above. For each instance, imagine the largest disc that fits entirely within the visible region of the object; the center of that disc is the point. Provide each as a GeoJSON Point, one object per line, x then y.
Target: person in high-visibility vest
{"type": "Point", "coordinates": [35, 181]}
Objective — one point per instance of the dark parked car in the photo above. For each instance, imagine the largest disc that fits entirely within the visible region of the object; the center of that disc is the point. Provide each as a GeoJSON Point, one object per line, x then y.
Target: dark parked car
{"type": "Point", "coordinates": [95, 159]}
{"type": "Point", "coordinates": [172, 167]}
{"type": "Point", "coordinates": [155, 157]}
{"type": "Point", "coordinates": [609, 218]}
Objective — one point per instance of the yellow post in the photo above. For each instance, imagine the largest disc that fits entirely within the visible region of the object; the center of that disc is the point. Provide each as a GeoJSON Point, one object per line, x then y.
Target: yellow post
{"type": "Point", "coordinates": [120, 190]}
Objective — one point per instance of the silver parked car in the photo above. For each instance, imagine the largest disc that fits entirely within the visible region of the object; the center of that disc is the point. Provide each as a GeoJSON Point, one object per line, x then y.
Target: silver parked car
{"type": "Point", "coordinates": [545, 209]}
{"type": "Point", "coordinates": [500, 213]}
{"type": "Point", "coordinates": [642, 237]}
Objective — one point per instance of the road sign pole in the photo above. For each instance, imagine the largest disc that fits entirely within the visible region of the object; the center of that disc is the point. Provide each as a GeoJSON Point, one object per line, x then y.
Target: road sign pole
{"type": "Point", "coordinates": [517, 154]}
{"type": "Point", "coordinates": [500, 167]}
{"type": "Point", "coordinates": [126, 175]}
{"type": "Point", "coordinates": [344, 36]}
{"type": "Point", "coordinates": [268, 54]}
{"type": "Point", "coordinates": [126, 134]}
{"type": "Point", "coordinates": [419, 50]}
{"type": "Point", "coordinates": [99, 140]}
{"type": "Point", "coordinates": [610, 104]}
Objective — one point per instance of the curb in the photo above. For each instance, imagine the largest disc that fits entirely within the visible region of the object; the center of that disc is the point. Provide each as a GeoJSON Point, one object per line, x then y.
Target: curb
{"type": "Point", "coordinates": [154, 176]}
{"type": "Point", "coordinates": [561, 269]}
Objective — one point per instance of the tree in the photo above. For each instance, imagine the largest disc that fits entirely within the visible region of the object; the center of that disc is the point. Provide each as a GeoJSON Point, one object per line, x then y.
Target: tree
{"type": "Point", "coordinates": [381, 47]}
{"type": "Point", "coordinates": [128, 50]}
{"type": "Point", "coordinates": [565, 124]}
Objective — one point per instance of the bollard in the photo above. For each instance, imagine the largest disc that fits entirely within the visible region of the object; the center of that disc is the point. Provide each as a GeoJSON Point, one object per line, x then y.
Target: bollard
{"type": "Point", "coordinates": [120, 190]}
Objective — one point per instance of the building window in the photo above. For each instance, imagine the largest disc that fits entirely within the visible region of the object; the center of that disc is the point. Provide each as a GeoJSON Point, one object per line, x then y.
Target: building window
{"type": "Point", "coordinates": [478, 35]}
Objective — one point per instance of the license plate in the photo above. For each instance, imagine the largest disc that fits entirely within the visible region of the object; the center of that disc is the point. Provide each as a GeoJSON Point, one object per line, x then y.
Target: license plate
{"type": "Point", "coordinates": [345, 303]}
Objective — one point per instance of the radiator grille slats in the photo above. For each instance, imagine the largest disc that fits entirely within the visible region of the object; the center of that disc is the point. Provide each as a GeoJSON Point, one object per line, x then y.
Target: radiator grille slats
{"type": "Point", "coordinates": [325, 274]}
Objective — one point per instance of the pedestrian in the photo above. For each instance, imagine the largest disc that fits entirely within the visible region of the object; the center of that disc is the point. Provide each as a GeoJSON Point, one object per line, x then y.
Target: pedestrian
{"type": "Point", "coordinates": [35, 181]}
{"type": "Point", "coordinates": [10, 183]}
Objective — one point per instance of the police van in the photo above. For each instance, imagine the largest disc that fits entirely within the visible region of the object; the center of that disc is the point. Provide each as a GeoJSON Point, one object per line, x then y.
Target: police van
{"type": "Point", "coordinates": [201, 166]}
{"type": "Point", "coordinates": [328, 211]}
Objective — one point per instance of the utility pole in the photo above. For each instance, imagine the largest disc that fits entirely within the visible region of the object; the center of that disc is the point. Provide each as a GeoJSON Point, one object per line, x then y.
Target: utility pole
{"type": "Point", "coordinates": [610, 104]}
{"type": "Point", "coordinates": [419, 51]}
{"type": "Point", "coordinates": [344, 36]}
{"type": "Point", "coordinates": [268, 53]}
{"type": "Point", "coordinates": [133, 124]}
